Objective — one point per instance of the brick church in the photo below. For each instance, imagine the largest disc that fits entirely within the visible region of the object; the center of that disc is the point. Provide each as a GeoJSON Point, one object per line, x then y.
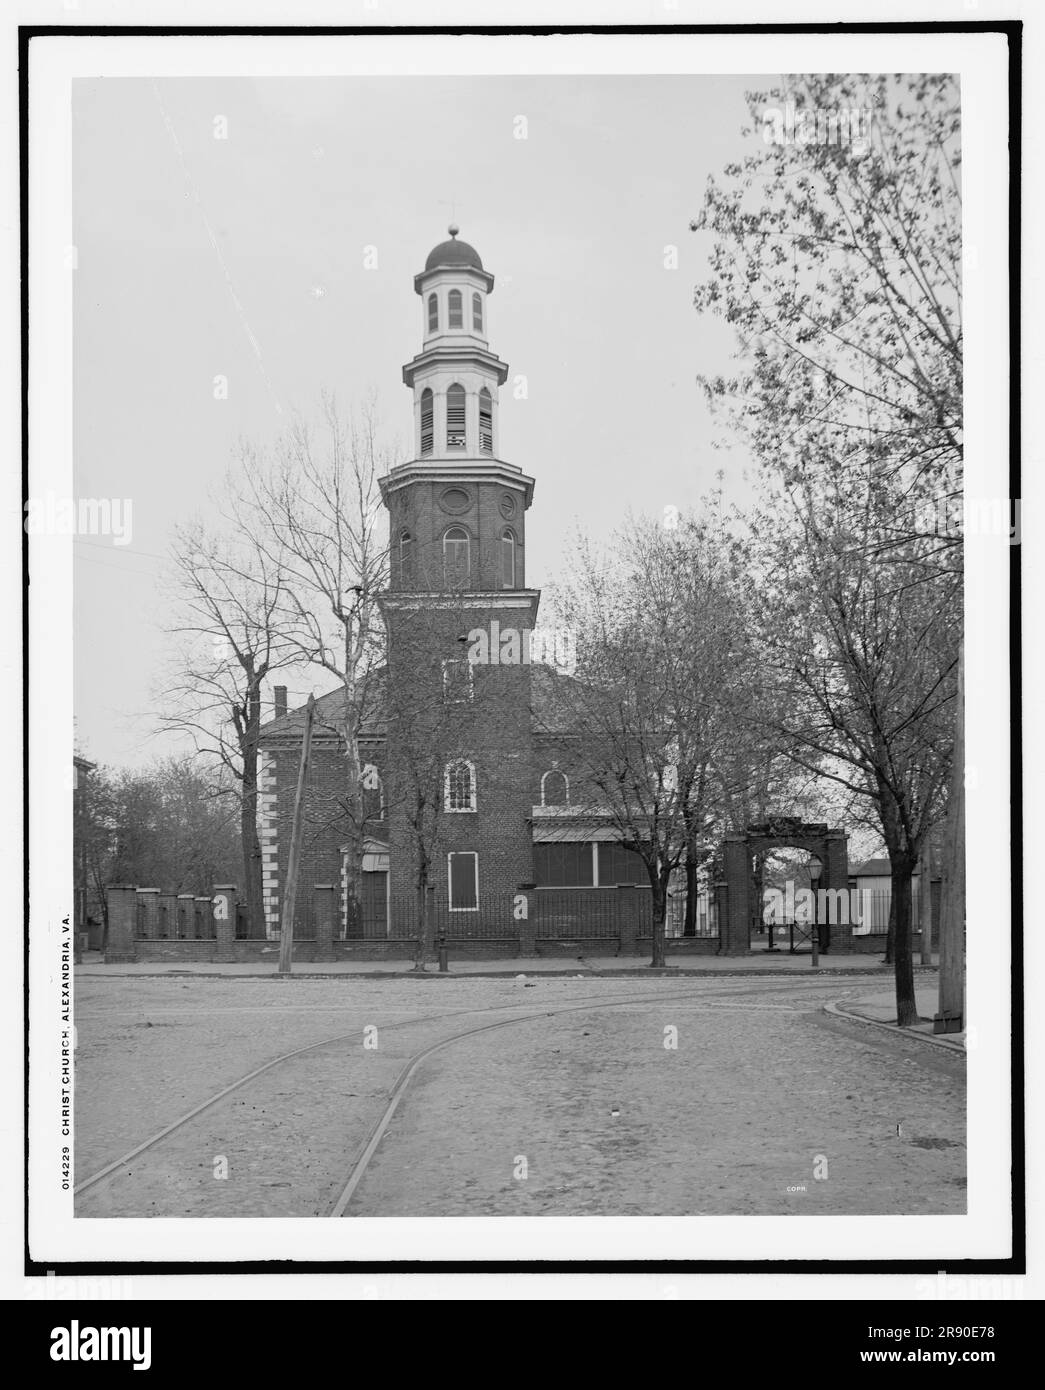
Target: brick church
{"type": "Point", "coordinates": [463, 708]}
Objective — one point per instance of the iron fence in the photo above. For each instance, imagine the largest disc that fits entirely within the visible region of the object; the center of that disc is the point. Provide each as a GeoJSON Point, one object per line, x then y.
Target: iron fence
{"type": "Point", "coordinates": [603, 913]}
{"type": "Point", "coordinates": [493, 920]}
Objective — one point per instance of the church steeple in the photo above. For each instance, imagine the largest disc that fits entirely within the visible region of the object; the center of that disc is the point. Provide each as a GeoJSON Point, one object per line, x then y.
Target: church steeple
{"type": "Point", "coordinates": [455, 378]}
{"type": "Point", "coordinates": [456, 508]}
{"type": "Point", "coordinates": [457, 573]}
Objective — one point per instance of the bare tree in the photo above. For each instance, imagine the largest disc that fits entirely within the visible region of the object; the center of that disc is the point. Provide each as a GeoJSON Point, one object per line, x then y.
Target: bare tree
{"type": "Point", "coordinates": [649, 707]}
{"type": "Point", "coordinates": [228, 614]}
{"type": "Point", "coordinates": [838, 262]}
{"type": "Point", "coordinates": [862, 655]}
{"type": "Point", "coordinates": [313, 509]}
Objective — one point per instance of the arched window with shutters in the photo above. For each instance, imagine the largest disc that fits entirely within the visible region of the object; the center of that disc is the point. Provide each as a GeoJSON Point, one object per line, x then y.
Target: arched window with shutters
{"type": "Point", "coordinates": [454, 309]}
{"type": "Point", "coordinates": [485, 422]}
{"type": "Point", "coordinates": [427, 422]}
{"type": "Point", "coordinates": [455, 417]}
{"type": "Point", "coordinates": [507, 559]}
{"type": "Point", "coordinates": [406, 555]}
{"type": "Point", "coordinates": [457, 555]}
{"type": "Point", "coordinates": [477, 313]}
{"type": "Point", "coordinates": [433, 312]}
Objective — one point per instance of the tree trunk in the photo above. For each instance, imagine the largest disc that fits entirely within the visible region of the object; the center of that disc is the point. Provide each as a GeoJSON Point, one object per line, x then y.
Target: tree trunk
{"type": "Point", "coordinates": [423, 952]}
{"type": "Point", "coordinates": [690, 924]}
{"type": "Point", "coordinates": [902, 866]}
{"type": "Point", "coordinates": [660, 908]}
{"type": "Point", "coordinates": [286, 935]}
{"type": "Point", "coordinates": [251, 843]}
{"type": "Point", "coordinates": [951, 1003]}
{"type": "Point", "coordinates": [353, 867]}
{"type": "Point", "coordinates": [925, 902]}
{"type": "Point", "coordinates": [890, 931]}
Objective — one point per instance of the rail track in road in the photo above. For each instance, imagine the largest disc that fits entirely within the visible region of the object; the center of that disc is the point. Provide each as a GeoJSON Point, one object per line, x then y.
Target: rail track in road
{"type": "Point", "coordinates": [732, 997]}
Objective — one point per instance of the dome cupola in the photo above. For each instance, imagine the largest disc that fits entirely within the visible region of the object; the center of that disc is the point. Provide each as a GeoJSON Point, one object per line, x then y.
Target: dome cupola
{"type": "Point", "coordinates": [453, 253]}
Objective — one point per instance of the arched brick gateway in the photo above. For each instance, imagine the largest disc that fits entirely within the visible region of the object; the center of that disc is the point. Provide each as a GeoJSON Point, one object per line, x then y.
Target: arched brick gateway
{"type": "Point", "coordinates": [780, 832]}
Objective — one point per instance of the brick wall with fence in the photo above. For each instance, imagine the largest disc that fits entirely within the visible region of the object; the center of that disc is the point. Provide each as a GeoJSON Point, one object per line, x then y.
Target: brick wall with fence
{"type": "Point", "coordinates": [153, 925]}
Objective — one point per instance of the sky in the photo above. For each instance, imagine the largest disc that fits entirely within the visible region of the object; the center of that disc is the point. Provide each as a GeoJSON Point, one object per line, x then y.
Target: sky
{"type": "Point", "coordinates": [246, 257]}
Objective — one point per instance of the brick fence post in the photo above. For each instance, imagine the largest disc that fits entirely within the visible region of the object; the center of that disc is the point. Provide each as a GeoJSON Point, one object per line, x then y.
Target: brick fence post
{"type": "Point", "coordinates": [122, 910]}
{"type": "Point", "coordinates": [149, 899]}
{"type": "Point", "coordinates": [524, 903]}
{"type": "Point", "coordinates": [721, 910]}
{"type": "Point", "coordinates": [627, 907]}
{"type": "Point", "coordinates": [224, 922]}
{"type": "Point", "coordinates": [835, 876]}
{"type": "Point", "coordinates": [324, 898]}
{"type": "Point", "coordinates": [735, 940]}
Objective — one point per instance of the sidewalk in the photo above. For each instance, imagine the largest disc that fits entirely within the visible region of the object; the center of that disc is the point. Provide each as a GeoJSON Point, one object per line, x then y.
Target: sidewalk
{"type": "Point", "coordinates": [754, 964]}
{"type": "Point", "coordinates": [880, 1009]}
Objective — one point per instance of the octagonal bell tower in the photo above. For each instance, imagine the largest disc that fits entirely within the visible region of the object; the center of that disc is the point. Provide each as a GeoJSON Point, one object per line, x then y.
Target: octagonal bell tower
{"type": "Point", "coordinates": [456, 482]}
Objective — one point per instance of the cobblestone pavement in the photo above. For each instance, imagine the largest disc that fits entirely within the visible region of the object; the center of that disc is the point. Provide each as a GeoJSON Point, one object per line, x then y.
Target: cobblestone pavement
{"type": "Point", "coordinates": [765, 1105]}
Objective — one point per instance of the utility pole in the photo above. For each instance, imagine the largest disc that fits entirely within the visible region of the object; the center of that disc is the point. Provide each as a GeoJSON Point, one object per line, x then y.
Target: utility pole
{"type": "Point", "coordinates": [950, 1015]}
{"type": "Point", "coordinates": [925, 900]}
{"type": "Point", "coordinates": [286, 935]}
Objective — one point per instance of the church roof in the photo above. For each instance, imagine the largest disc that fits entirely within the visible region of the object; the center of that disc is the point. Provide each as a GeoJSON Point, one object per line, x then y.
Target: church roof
{"type": "Point", "coordinates": [551, 709]}
{"type": "Point", "coordinates": [453, 253]}
{"type": "Point", "coordinates": [330, 709]}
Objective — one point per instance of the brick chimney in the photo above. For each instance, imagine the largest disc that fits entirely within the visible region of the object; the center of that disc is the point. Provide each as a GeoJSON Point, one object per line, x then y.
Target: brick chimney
{"type": "Point", "coordinates": [280, 693]}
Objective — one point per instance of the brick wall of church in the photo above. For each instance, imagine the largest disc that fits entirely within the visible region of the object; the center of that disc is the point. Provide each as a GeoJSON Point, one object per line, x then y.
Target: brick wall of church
{"type": "Point", "coordinates": [326, 826]}
{"type": "Point", "coordinates": [492, 731]}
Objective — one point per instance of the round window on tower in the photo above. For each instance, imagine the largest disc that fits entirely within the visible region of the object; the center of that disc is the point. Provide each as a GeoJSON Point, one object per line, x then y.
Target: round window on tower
{"type": "Point", "coordinates": [507, 505]}
{"type": "Point", "coordinates": [455, 500]}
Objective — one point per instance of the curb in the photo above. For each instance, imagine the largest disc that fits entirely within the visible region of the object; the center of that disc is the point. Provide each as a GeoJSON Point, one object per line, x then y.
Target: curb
{"type": "Point", "coordinates": [839, 1012]}
{"type": "Point", "coordinates": [644, 972]}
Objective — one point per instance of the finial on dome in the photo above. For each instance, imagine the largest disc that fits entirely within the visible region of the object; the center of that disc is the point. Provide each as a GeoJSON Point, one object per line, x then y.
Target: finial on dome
{"type": "Point", "coordinates": [453, 229]}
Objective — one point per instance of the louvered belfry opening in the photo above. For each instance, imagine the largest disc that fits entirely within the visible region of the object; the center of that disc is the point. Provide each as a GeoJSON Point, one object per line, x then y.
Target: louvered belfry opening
{"type": "Point", "coordinates": [433, 313]}
{"type": "Point", "coordinates": [477, 313]}
{"type": "Point", "coordinates": [453, 304]}
{"type": "Point", "coordinates": [455, 418]}
{"type": "Point", "coordinates": [427, 422]}
{"type": "Point", "coordinates": [485, 422]}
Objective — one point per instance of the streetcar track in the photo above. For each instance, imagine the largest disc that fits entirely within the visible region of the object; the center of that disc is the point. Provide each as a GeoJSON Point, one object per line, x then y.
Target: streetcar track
{"type": "Point", "coordinates": [411, 1066]}
{"type": "Point", "coordinates": [406, 1075]}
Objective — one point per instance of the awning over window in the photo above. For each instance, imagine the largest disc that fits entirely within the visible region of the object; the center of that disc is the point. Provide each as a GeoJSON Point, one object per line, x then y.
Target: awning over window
{"type": "Point", "coordinates": [546, 832]}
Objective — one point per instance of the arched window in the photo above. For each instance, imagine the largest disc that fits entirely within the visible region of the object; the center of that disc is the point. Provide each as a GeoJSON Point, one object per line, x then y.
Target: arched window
{"type": "Point", "coordinates": [406, 552]}
{"type": "Point", "coordinates": [485, 422]}
{"type": "Point", "coordinates": [459, 786]}
{"type": "Point", "coordinates": [455, 417]}
{"type": "Point", "coordinates": [555, 788]}
{"type": "Point", "coordinates": [456, 555]}
{"type": "Point", "coordinates": [433, 313]}
{"type": "Point", "coordinates": [507, 559]}
{"type": "Point", "coordinates": [427, 422]}
{"type": "Point", "coordinates": [453, 304]}
{"type": "Point", "coordinates": [477, 313]}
